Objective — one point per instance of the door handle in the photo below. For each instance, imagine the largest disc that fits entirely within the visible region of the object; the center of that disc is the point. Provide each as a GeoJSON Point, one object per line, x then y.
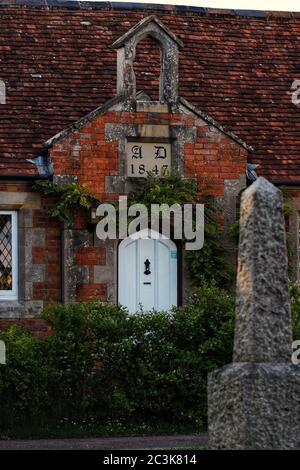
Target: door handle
{"type": "Point", "coordinates": [147, 267]}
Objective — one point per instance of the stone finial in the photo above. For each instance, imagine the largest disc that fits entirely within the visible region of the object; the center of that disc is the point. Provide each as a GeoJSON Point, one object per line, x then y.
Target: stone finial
{"type": "Point", "coordinates": [263, 323]}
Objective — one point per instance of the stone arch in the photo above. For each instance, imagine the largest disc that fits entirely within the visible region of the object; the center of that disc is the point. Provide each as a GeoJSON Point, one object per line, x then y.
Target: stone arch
{"type": "Point", "coordinates": [126, 52]}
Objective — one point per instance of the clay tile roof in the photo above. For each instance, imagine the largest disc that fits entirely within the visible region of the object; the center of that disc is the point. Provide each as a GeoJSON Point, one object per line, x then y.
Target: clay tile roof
{"type": "Point", "coordinates": [58, 65]}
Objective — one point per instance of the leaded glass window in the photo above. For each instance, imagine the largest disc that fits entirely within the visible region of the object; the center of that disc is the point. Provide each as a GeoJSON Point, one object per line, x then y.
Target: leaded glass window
{"type": "Point", "coordinates": [8, 255]}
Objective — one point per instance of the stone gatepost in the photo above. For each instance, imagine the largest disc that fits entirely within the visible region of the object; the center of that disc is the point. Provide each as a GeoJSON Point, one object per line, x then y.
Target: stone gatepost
{"type": "Point", "coordinates": [254, 403]}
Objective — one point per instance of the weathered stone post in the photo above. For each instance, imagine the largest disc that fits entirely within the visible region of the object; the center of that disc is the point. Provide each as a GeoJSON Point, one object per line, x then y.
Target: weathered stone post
{"type": "Point", "coordinates": [254, 403]}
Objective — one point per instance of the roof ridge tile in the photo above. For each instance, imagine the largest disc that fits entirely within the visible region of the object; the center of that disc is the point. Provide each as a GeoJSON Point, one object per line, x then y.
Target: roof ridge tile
{"type": "Point", "coordinates": [96, 5]}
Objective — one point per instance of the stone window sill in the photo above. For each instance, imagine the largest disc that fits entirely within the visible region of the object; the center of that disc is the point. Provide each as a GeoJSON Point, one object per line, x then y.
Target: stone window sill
{"type": "Point", "coordinates": [11, 309]}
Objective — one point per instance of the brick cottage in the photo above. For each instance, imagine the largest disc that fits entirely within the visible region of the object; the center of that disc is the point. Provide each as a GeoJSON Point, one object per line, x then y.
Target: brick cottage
{"type": "Point", "coordinates": [82, 84]}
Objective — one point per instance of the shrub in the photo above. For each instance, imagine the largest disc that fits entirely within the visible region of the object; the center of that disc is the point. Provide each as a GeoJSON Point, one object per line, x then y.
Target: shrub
{"type": "Point", "coordinates": [68, 197]}
{"type": "Point", "coordinates": [103, 364]}
{"type": "Point", "coordinates": [157, 371]}
{"type": "Point", "coordinates": [212, 263]}
{"type": "Point", "coordinates": [80, 335]}
{"type": "Point", "coordinates": [23, 380]}
{"type": "Point", "coordinates": [295, 308]}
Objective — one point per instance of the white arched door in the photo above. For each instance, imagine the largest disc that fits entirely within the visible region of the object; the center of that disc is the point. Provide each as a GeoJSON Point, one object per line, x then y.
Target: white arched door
{"type": "Point", "coordinates": [147, 272]}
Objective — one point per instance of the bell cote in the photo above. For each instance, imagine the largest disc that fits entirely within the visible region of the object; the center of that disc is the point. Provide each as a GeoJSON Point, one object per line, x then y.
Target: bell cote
{"type": "Point", "coordinates": [126, 51]}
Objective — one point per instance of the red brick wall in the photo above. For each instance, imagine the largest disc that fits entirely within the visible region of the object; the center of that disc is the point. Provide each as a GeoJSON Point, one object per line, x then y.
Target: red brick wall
{"type": "Point", "coordinates": [147, 67]}
{"type": "Point", "coordinates": [91, 291]}
{"type": "Point", "coordinates": [91, 256]}
{"type": "Point", "coordinates": [36, 326]}
{"type": "Point", "coordinates": [86, 154]}
{"type": "Point", "coordinates": [49, 255]}
{"type": "Point", "coordinates": [213, 159]}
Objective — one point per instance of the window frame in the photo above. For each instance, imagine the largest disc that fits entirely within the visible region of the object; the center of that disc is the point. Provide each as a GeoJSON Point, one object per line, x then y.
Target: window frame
{"type": "Point", "coordinates": [13, 294]}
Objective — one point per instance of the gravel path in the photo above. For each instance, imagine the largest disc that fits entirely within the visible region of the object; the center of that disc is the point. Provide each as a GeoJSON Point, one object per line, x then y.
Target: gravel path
{"type": "Point", "coordinates": [144, 442]}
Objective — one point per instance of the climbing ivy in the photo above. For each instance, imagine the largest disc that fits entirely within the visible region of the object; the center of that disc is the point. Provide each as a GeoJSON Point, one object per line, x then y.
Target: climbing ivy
{"type": "Point", "coordinates": [211, 264]}
{"type": "Point", "coordinates": [68, 197]}
{"type": "Point", "coordinates": [171, 189]}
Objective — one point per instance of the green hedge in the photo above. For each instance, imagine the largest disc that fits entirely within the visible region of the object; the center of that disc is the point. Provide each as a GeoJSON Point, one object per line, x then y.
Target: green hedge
{"type": "Point", "coordinates": [104, 365]}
